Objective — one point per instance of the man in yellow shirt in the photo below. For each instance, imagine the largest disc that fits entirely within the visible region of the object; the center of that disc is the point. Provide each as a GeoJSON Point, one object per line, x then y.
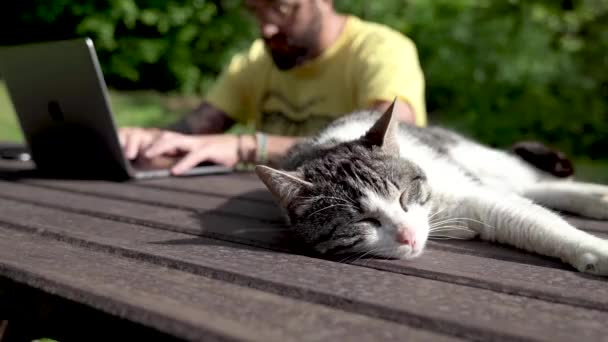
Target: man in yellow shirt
{"type": "Point", "coordinates": [310, 66]}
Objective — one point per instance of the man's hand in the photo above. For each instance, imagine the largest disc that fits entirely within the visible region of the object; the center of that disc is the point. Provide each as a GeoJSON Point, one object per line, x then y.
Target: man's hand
{"type": "Point", "coordinates": [189, 150]}
{"type": "Point", "coordinates": [135, 140]}
{"type": "Point", "coordinates": [194, 149]}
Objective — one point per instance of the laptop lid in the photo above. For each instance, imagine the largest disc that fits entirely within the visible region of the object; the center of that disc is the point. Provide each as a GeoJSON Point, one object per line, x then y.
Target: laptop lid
{"type": "Point", "coordinates": [61, 100]}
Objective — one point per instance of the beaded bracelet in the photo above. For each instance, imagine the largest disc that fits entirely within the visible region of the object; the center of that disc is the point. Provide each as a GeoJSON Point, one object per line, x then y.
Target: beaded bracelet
{"type": "Point", "coordinates": [239, 148]}
{"type": "Point", "coordinates": [261, 156]}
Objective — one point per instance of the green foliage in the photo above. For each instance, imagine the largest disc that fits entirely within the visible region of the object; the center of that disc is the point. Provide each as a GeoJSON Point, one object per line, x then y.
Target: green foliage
{"type": "Point", "coordinates": [165, 45]}
{"type": "Point", "coordinates": [508, 70]}
{"type": "Point", "coordinates": [499, 70]}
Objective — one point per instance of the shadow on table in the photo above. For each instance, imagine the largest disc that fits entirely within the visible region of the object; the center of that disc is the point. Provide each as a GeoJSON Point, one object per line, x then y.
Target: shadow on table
{"type": "Point", "coordinates": [259, 223]}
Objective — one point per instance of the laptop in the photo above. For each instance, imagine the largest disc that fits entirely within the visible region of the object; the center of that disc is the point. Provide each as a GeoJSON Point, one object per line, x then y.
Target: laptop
{"type": "Point", "coordinates": [61, 100]}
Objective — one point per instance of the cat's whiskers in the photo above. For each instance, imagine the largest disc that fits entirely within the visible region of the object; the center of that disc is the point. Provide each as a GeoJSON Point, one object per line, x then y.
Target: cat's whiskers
{"type": "Point", "coordinates": [450, 228]}
{"type": "Point", "coordinates": [439, 232]}
{"type": "Point", "coordinates": [345, 260]}
{"type": "Point", "coordinates": [461, 218]}
{"type": "Point", "coordinates": [446, 220]}
{"type": "Point", "coordinates": [449, 232]}
{"type": "Point", "coordinates": [358, 256]}
{"type": "Point", "coordinates": [446, 237]}
{"type": "Point", "coordinates": [444, 232]}
{"type": "Point", "coordinates": [452, 224]}
{"type": "Point", "coordinates": [445, 223]}
{"type": "Point", "coordinates": [381, 249]}
{"type": "Point", "coordinates": [435, 228]}
{"type": "Point", "coordinates": [436, 213]}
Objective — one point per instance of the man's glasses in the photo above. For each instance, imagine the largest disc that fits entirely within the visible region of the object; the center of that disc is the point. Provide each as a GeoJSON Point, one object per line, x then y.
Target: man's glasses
{"type": "Point", "coordinates": [275, 11]}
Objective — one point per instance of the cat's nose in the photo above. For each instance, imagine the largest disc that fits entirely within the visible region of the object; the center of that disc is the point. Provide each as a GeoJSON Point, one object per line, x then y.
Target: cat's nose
{"type": "Point", "coordinates": [406, 237]}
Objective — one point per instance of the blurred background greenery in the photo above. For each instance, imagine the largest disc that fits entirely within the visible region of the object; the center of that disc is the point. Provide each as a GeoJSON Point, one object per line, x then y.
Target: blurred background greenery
{"type": "Point", "coordinates": [497, 70]}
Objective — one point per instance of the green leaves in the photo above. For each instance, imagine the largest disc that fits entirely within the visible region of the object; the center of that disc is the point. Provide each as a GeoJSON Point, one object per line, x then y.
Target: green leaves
{"type": "Point", "coordinates": [508, 70]}
{"type": "Point", "coordinates": [500, 70]}
{"type": "Point", "coordinates": [159, 44]}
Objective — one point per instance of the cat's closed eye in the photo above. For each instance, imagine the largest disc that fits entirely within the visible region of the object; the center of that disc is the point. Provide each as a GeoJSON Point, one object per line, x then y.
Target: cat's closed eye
{"type": "Point", "coordinates": [426, 198]}
{"type": "Point", "coordinates": [418, 177]}
{"type": "Point", "coordinates": [417, 192]}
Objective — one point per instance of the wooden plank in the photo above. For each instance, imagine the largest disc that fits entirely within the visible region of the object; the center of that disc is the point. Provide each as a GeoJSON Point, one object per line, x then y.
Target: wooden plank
{"type": "Point", "coordinates": [479, 248]}
{"type": "Point", "coordinates": [231, 229]}
{"type": "Point", "coordinates": [184, 304]}
{"type": "Point", "coordinates": [259, 210]}
{"type": "Point", "coordinates": [267, 212]}
{"type": "Point", "coordinates": [450, 308]}
{"type": "Point", "coordinates": [554, 285]}
{"type": "Point", "coordinates": [268, 234]}
{"type": "Point", "coordinates": [229, 185]}
{"type": "Point", "coordinates": [243, 184]}
{"type": "Point", "coordinates": [210, 222]}
{"type": "Point", "coordinates": [239, 205]}
{"type": "Point", "coordinates": [177, 192]}
{"type": "Point", "coordinates": [248, 185]}
{"type": "Point", "coordinates": [265, 236]}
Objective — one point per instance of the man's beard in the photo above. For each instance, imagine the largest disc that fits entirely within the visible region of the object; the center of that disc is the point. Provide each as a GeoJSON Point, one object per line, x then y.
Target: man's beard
{"type": "Point", "coordinates": [289, 52]}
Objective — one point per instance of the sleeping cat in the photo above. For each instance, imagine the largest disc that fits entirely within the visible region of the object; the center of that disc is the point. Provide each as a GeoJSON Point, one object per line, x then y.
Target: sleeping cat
{"type": "Point", "coordinates": [368, 185]}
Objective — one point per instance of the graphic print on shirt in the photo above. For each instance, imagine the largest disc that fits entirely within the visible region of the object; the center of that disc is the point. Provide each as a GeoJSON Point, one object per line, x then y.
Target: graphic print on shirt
{"type": "Point", "coordinates": [281, 116]}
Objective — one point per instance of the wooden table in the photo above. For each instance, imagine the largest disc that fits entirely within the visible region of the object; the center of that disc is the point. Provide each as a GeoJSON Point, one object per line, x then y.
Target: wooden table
{"type": "Point", "coordinates": [208, 258]}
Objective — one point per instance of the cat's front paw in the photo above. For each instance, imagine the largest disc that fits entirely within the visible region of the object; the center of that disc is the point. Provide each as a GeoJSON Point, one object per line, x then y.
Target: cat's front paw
{"type": "Point", "coordinates": [593, 260]}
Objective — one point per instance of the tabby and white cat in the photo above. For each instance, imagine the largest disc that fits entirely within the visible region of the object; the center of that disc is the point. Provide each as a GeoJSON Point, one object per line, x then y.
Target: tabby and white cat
{"type": "Point", "coordinates": [366, 184]}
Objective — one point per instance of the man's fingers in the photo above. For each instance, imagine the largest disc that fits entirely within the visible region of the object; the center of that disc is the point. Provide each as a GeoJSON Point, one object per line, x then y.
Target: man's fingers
{"type": "Point", "coordinates": [189, 161]}
{"type": "Point", "coordinates": [166, 144]}
{"type": "Point", "coordinates": [122, 137]}
{"type": "Point", "coordinates": [132, 144]}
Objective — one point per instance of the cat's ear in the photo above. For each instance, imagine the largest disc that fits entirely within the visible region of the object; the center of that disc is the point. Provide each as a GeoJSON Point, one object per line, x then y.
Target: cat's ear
{"type": "Point", "coordinates": [384, 133]}
{"type": "Point", "coordinates": [283, 185]}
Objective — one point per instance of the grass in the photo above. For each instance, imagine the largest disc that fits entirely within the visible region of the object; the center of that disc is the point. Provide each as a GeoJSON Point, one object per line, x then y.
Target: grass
{"type": "Point", "coordinates": [9, 129]}
{"type": "Point", "coordinates": [592, 170]}
{"type": "Point", "coordinates": [153, 109]}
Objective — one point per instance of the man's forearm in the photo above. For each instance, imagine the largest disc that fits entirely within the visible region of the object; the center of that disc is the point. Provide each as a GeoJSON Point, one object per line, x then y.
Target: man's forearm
{"type": "Point", "coordinates": [253, 150]}
{"type": "Point", "coordinates": [205, 119]}
{"type": "Point", "coordinates": [405, 112]}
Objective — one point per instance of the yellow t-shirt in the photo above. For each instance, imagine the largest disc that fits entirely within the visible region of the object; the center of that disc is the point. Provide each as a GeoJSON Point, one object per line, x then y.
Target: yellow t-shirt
{"type": "Point", "coordinates": [367, 63]}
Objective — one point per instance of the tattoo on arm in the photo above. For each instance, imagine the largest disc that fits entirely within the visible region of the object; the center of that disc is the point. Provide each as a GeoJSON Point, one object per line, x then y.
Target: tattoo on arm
{"type": "Point", "coordinates": [206, 119]}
